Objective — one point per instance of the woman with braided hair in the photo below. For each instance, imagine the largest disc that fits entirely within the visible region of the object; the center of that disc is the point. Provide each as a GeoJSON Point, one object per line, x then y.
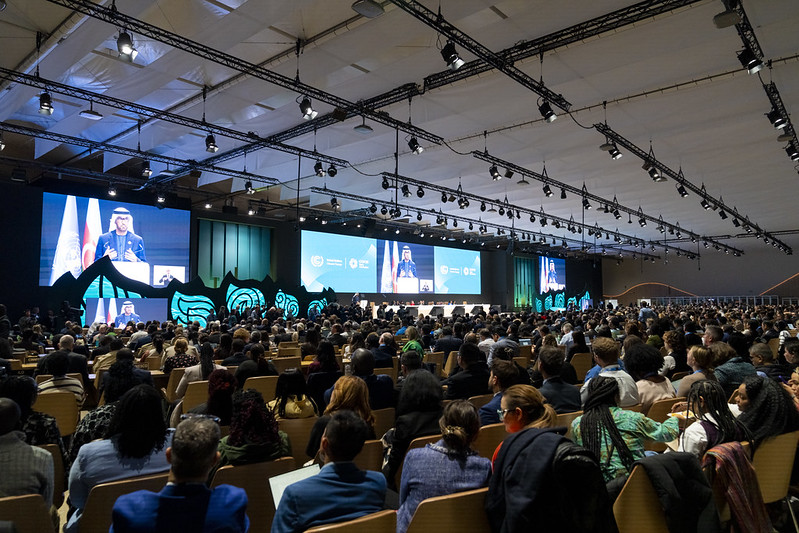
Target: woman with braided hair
{"type": "Point", "coordinates": [766, 408]}
{"type": "Point", "coordinates": [715, 423]}
{"type": "Point", "coordinates": [446, 467]}
{"type": "Point", "coordinates": [254, 435]}
{"type": "Point", "coordinates": [616, 436]}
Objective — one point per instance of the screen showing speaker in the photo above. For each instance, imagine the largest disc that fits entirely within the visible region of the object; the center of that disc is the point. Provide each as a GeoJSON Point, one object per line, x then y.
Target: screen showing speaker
{"type": "Point", "coordinates": [358, 264]}
{"type": "Point", "coordinates": [120, 311]}
{"type": "Point", "coordinates": [144, 243]}
{"type": "Point", "coordinates": [552, 274]}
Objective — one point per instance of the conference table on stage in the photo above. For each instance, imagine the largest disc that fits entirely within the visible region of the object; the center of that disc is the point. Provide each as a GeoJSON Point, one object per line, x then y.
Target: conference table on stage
{"type": "Point", "coordinates": [427, 309]}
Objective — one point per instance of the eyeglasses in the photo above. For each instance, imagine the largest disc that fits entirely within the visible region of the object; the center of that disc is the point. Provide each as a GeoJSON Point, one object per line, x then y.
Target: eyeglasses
{"type": "Point", "coordinates": [187, 416]}
{"type": "Point", "coordinates": [503, 412]}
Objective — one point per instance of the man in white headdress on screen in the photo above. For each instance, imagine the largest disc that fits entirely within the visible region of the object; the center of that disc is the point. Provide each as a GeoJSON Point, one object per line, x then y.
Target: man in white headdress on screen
{"type": "Point", "coordinates": [120, 243]}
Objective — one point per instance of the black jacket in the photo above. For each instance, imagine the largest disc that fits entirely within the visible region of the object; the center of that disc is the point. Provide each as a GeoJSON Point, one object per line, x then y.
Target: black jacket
{"type": "Point", "coordinates": [471, 381]}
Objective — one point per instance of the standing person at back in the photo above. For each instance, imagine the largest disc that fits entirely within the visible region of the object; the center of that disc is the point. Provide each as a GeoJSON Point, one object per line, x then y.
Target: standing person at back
{"type": "Point", "coordinates": [186, 503]}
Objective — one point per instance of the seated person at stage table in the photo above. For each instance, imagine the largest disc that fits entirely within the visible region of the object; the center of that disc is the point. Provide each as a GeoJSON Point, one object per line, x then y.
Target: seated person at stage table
{"type": "Point", "coordinates": [340, 491]}
{"type": "Point", "coordinates": [472, 380]}
{"type": "Point", "coordinates": [185, 503]}
{"type": "Point", "coordinates": [120, 243]}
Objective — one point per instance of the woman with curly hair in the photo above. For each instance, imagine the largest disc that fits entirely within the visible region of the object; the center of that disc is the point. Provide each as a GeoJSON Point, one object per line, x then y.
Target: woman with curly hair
{"type": "Point", "coordinates": [351, 393]}
{"type": "Point", "coordinates": [715, 424]}
{"type": "Point", "coordinates": [767, 409]}
{"type": "Point", "coordinates": [254, 434]}
{"type": "Point", "coordinates": [221, 386]}
{"type": "Point", "coordinates": [616, 436]}
{"type": "Point", "coordinates": [642, 362]}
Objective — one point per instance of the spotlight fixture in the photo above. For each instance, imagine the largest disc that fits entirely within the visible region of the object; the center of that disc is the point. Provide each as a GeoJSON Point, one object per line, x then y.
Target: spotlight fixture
{"type": "Point", "coordinates": [653, 171]}
{"type": "Point", "coordinates": [776, 119]}
{"type": "Point", "coordinates": [414, 146]}
{"type": "Point", "coordinates": [2, 143]}
{"type": "Point", "coordinates": [125, 46]}
{"type": "Point", "coordinates": [681, 190]}
{"type": "Point", "coordinates": [160, 198]}
{"type": "Point", "coordinates": [334, 204]}
{"type": "Point", "coordinates": [90, 113]}
{"type": "Point", "coordinates": [723, 215]}
{"type": "Point", "coordinates": [373, 208]}
{"type": "Point", "coordinates": [482, 206]}
{"type": "Point", "coordinates": [385, 183]}
{"type": "Point", "coordinates": [546, 111]}
{"type": "Point", "coordinates": [471, 226]}
{"type": "Point", "coordinates": [319, 169]}
{"type": "Point", "coordinates": [146, 172]}
{"type": "Point", "coordinates": [509, 174]}
{"type": "Point", "coordinates": [616, 214]}
{"type": "Point", "coordinates": [248, 188]}
{"type": "Point", "coordinates": [368, 8]}
{"type": "Point", "coordinates": [420, 192]}
{"type": "Point", "coordinates": [494, 171]}
{"type": "Point", "coordinates": [750, 61]}
{"type": "Point", "coordinates": [208, 205]}
{"type": "Point", "coordinates": [501, 211]}
{"type": "Point", "coordinates": [642, 222]}
{"type": "Point", "coordinates": [586, 204]}
{"type": "Point", "coordinates": [419, 216]}
{"type": "Point", "coordinates": [332, 171]}
{"type": "Point", "coordinates": [210, 144]}
{"type": "Point", "coordinates": [451, 57]}
{"type": "Point", "coordinates": [112, 191]}
{"type": "Point", "coordinates": [547, 191]}
{"type": "Point", "coordinates": [705, 204]}
{"type": "Point", "coordinates": [46, 104]}
{"type": "Point", "coordinates": [562, 193]}
{"type": "Point", "coordinates": [251, 210]}
{"type": "Point", "coordinates": [443, 197]}
{"type": "Point", "coordinates": [406, 191]}
{"type": "Point", "coordinates": [363, 128]}
{"type": "Point", "coordinates": [792, 151]}
{"type": "Point", "coordinates": [610, 147]}
{"type": "Point", "coordinates": [308, 112]}
{"type": "Point", "coordinates": [451, 197]}
{"type": "Point", "coordinates": [384, 210]}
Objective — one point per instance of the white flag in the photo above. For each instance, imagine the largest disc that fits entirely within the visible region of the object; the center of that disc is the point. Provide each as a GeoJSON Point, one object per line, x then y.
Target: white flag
{"type": "Point", "coordinates": [99, 316]}
{"type": "Point", "coordinates": [112, 311]}
{"type": "Point", "coordinates": [67, 251]}
{"type": "Point", "coordinates": [385, 273]}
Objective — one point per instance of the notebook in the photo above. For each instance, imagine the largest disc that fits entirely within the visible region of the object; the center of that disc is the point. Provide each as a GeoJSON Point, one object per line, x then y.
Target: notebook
{"type": "Point", "coordinates": [279, 483]}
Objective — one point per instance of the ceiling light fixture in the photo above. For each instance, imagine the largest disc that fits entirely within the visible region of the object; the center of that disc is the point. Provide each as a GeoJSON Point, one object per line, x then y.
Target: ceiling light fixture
{"type": "Point", "coordinates": [547, 190]}
{"type": "Point", "coordinates": [308, 112]}
{"type": "Point", "coordinates": [776, 119]}
{"type": "Point", "coordinates": [208, 205]}
{"type": "Point", "coordinates": [46, 104]}
{"type": "Point", "coordinates": [248, 188]}
{"type": "Point", "coordinates": [728, 17]}
{"type": "Point", "coordinates": [160, 198]}
{"type": "Point", "coordinates": [451, 57]}
{"type": "Point", "coordinates": [586, 203]}
{"type": "Point", "coordinates": [509, 174]}
{"type": "Point", "coordinates": [546, 111]}
{"type": "Point", "coordinates": [112, 191]}
{"type": "Point", "coordinates": [611, 148]}
{"type": "Point", "coordinates": [125, 46]}
{"type": "Point", "coordinates": [2, 142]}
{"type": "Point", "coordinates": [443, 197]}
{"type": "Point", "coordinates": [494, 171]}
{"type": "Point", "coordinates": [750, 61]}
{"type": "Point", "coordinates": [363, 128]}
{"type": "Point", "coordinates": [332, 171]}
{"type": "Point", "coordinates": [210, 144]}
{"type": "Point", "coordinates": [385, 184]}
{"type": "Point", "coordinates": [653, 171]}
{"type": "Point", "coordinates": [319, 169]}
{"type": "Point", "coordinates": [420, 192]}
{"type": "Point", "coordinates": [90, 113]}
{"type": "Point", "coordinates": [562, 193]}
{"type": "Point", "coordinates": [406, 191]}
{"type": "Point", "coordinates": [146, 171]}
{"type": "Point", "coordinates": [334, 204]}
{"type": "Point", "coordinates": [792, 151]}
{"type": "Point", "coordinates": [681, 190]}
{"type": "Point", "coordinates": [414, 146]}
{"type": "Point", "coordinates": [368, 8]}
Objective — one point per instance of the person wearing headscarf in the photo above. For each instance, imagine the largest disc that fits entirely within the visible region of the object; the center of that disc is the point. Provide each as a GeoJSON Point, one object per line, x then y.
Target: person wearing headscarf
{"type": "Point", "coordinates": [120, 243]}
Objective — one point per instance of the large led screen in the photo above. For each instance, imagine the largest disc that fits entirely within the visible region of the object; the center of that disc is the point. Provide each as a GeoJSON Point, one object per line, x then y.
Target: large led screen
{"type": "Point", "coordinates": [145, 243]}
{"type": "Point", "coordinates": [120, 311]}
{"type": "Point", "coordinates": [552, 274]}
{"type": "Point", "coordinates": [358, 264]}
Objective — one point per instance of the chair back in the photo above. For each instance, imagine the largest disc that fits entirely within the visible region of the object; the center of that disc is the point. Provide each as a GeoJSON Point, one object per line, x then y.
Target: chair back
{"type": "Point", "coordinates": [438, 359]}
{"type": "Point", "coordinates": [659, 410]}
{"type": "Point", "coordinates": [774, 344]}
{"type": "Point", "coordinates": [480, 400]}
{"type": "Point", "coordinates": [527, 353]}
{"type": "Point", "coordinates": [566, 419]}
{"type": "Point", "coordinates": [679, 375]}
{"type": "Point", "coordinates": [97, 513]}
{"type": "Point", "coordinates": [28, 513]}
{"type": "Point", "coordinates": [488, 439]}
{"type": "Point", "coordinates": [451, 363]}
{"type": "Point", "coordinates": [153, 362]}
{"type": "Point", "coordinates": [288, 344]}
{"type": "Point", "coordinates": [371, 456]}
{"type": "Point", "coordinates": [196, 393]}
{"type": "Point", "coordinates": [318, 383]}
{"type": "Point", "coordinates": [266, 385]}
{"type": "Point", "coordinates": [284, 363]}
{"type": "Point", "coordinates": [637, 407]}
{"type": "Point", "coordinates": [254, 479]}
{"type": "Point", "coordinates": [62, 406]}
{"type": "Point", "coordinates": [386, 371]}
{"type": "Point", "coordinates": [773, 462]}
{"type": "Point", "coordinates": [299, 431]}
{"type": "Point", "coordinates": [384, 420]}
{"type": "Point", "coordinates": [582, 363]}
{"type": "Point", "coordinates": [295, 351]}
{"type": "Point", "coordinates": [462, 511]}
{"type": "Point", "coordinates": [58, 471]}
{"type": "Point", "coordinates": [380, 522]}
{"type": "Point", "coordinates": [521, 361]}
{"type": "Point", "coordinates": [41, 378]}
{"type": "Point", "coordinates": [172, 385]}
{"type": "Point", "coordinates": [637, 508]}
{"type": "Point", "coordinates": [419, 442]}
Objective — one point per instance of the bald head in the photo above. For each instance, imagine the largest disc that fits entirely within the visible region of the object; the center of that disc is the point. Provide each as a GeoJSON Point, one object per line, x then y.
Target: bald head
{"type": "Point", "coordinates": [67, 342]}
{"type": "Point", "coordinates": [9, 415]}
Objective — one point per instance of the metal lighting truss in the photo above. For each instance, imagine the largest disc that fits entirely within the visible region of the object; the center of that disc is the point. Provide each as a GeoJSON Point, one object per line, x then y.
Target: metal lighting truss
{"type": "Point", "coordinates": [484, 156]}
{"type": "Point", "coordinates": [678, 177]}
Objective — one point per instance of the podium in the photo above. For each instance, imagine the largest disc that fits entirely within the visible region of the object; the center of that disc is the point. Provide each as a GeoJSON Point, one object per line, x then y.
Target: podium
{"type": "Point", "coordinates": [139, 271]}
{"type": "Point", "coordinates": [407, 285]}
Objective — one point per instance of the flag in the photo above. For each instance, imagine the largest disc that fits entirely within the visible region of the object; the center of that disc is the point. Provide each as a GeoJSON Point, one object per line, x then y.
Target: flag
{"type": "Point", "coordinates": [67, 250]}
{"type": "Point", "coordinates": [91, 232]}
{"type": "Point", "coordinates": [394, 265]}
{"type": "Point", "coordinates": [112, 311]}
{"type": "Point", "coordinates": [99, 316]}
{"type": "Point", "coordinates": [385, 273]}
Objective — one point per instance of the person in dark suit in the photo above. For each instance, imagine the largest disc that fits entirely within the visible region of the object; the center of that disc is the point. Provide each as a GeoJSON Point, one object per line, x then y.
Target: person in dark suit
{"type": "Point", "coordinates": [120, 243]}
{"type": "Point", "coordinates": [340, 491]}
{"type": "Point", "coordinates": [126, 356]}
{"type": "Point", "coordinates": [78, 364]}
{"type": "Point", "coordinates": [447, 343]}
{"type": "Point", "coordinates": [385, 352]}
{"type": "Point", "coordinates": [562, 396]}
{"type": "Point", "coordinates": [472, 380]}
{"type": "Point", "coordinates": [503, 375]}
{"type": "Point", "coordinates": [185, 504]}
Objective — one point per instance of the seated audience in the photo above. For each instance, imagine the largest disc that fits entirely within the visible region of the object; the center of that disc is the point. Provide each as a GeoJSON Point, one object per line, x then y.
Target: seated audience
{"type": "Point", "coordinates": [340, 491]}
{"type": "Point", "coordinates": [766, 409]}
{"type": "Point", "coordinates": [185, 503]}
{"type": "Point", "coordinates": [58, 366]}
{"type": "Point", "coordinates": [642, 363]}
{"type": "Point", "coordinates": [606, 355]}
{"type": "Point", "coordinates": [715, 424]}
{"type": "Point", "coordinates": [198, 372]}
{"type": "Point", "coordinates": [221, 387]}
{"type": "Point", "coordinates": [700, 360]}
{"type": "Point", "coordinates": [448, 466]}
{"type": "Point", "coordinates": [381, 387]}
{"type": "Point", "coordinates": [766, 366]}
{"type": "Point", "coordinates": [503, 375]}
{"type": "Point", "coordinates": [182, 357]}
{"type": "Point", "coordinates": [563, 397]}
{"type": "Point", "coordinates": [291, 397]}
{"type": "Point", "coordinates": [472, 379]}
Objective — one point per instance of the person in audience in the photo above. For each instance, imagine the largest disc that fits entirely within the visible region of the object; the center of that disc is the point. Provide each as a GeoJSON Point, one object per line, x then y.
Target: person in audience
{"type": "Point", "coordinates": [766, 366]}
{"type": "Point", "coordinates": [199, 372]}
{"type": "Point", "coordinates": [614, 435]}
{"type": "Point", "coordinates": [349, 393]}
{"type": "Point", "coordinates": [503, 375]}
{"type": "Point", "coordinates": [486, 340]}
{"type": "Point", "coordinates": [291, 397]}
{"type": "Point", "coordinates": [254, 434]}
{"type": "Point", "coordinates": [37, 427]}
{"type": "Point", "coordinates": [472, 378]}
{"type": "Point", "coordinates": [766, 409]}
{"type": "Point", "coordinates": [524, 407]}
{"type": "Point", "coordinates": [78, 363]}
{"type": "Point", "coordinates": [58, 366]}
{"type": "Point", "coordinates": [413, 341]}
{"type": "Point", "coordinates": [417, 415]}
{"type": "Point", "coordinates": [325, 360]}
{"type": "Point", "coordinates": [105, 359]}
{"type": "Point", "coordinates": [700, 360]}
{"type": "Point", "coordinates": [606, 355]}
{"type": "Point", "coordinates": [643, 362]}
{"type": "Point", "coordinates": [185, 503]}
{"type": "Point", "coordinates": [134, 445]}
{"type": "Point", "coordinates": [447, 343]}
{"type": "Point", "coordinates": [308, 348]}
{"type": "Point", "coordinates": [157, 349]}
{"type": "Point", "coordinates": [715, 424]}
{"type": "Point", "coordinates": [26, 469]}
{"type": "Point", "coordinates": [340, 491]}
{"type": "Point", "coordinates": [125, 356]}
{"type": "Point", "coordinates": [356, 341]}
{"type": "Point", "coordinates": [563, 397]}
{"type": "Point", "coordinates": [446, 467]}
{"type": "Point", "coordinates": [578, 345]}
{"type": "Point", "coordinates": [381, 387]}
{"type": "Point", "coordinates": [676, 359]}
{"type": "Point", "coordinates": [385, 352]}
{"type": "Point", "coordinates": [225, 347]}
{"type": "Point", "coordinates": [506, 340]}
{"type": "Point", "coordinates": [221, 387]}
{"type": "Point", "coordinates": [730, 368]}
{"type": "Point", "coordinates": [182, 357]}
{"type": "Point", "coordinates": [323, 373]}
